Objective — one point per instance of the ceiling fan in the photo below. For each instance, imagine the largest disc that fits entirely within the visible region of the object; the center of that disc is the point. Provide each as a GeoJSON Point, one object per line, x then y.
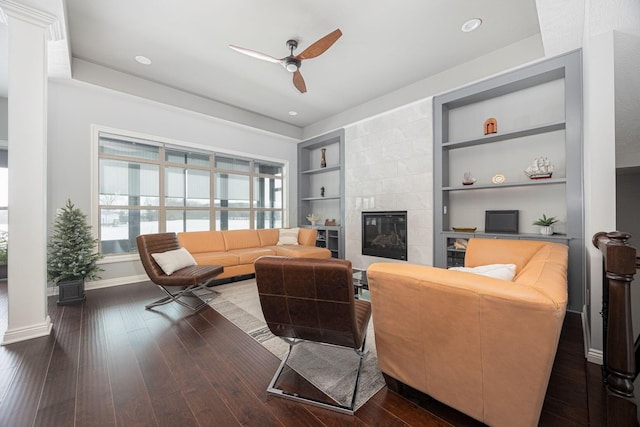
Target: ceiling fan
{"type": "Point", "coordinates": [292, 63]}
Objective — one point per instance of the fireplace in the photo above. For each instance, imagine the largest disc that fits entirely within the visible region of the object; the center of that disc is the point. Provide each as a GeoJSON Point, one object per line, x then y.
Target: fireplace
{"type": "Point", "coordinates": [384, 234]}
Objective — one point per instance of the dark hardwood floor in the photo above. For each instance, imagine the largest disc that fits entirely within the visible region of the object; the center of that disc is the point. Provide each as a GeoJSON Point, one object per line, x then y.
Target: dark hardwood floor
{"type": "Point", "coordinates": [111, 362]}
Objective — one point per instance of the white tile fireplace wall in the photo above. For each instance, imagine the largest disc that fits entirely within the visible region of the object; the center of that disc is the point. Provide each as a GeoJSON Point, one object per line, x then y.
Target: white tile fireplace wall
{"type": "Point", "coordinates": [389, 167]}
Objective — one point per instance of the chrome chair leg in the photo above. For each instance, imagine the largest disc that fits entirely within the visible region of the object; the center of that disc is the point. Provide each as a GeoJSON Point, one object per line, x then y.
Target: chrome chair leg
{"type": "Point", "coordinates": [175, 297]}
{"type": "Point", "coordinates": [272, 389]}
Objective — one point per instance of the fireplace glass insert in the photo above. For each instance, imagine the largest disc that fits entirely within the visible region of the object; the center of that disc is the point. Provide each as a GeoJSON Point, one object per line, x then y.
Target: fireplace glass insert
{"type": "Point", "coordinates": [384, 234]}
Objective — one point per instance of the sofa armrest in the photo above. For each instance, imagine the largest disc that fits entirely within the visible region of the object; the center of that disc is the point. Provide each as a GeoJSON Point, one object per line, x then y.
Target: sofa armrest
{"type": "Point", "coordinates": [307, 236]}
{"type": "Point", "coordinates": [463, 281]}
{"type": "Point", "coordinates": [464, 338]}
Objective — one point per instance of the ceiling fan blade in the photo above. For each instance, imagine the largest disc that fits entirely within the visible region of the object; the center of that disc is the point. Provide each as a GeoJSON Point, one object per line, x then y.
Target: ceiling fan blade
{"type": "Point", "coordinates": [319, 47]}
{"type": "Point", "coordinates": [298, 82]}
{"type": "Point", "coordinates": [255, 54]}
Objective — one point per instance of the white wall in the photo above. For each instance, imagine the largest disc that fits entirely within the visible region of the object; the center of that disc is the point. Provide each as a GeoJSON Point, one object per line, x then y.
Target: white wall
{"type": "Point", "coordinates": [4, 119]}
{"type": "Point", "coordinates": [627, 99]}
{"type": "Point", "coordinates": [628, 202]}
{"type": "Point", "coordinates": [561, 25]}
{"type": "Point", "coordinates": [75, 106]}
{"type": "Point", "coordinates": [389, 166]}
{"type": "Point", "coordinates": [599, 161]}
{"type": "Point", "coordinates": [593, 25]}
{"type": "Point", "coordinates": [603, 19]}
{"type": "Point", "coordinates": [628, 206]}
{"type": "Point", "coordinates": [126, 83]}
{"type": "Point", "coordinates": [498, 61]}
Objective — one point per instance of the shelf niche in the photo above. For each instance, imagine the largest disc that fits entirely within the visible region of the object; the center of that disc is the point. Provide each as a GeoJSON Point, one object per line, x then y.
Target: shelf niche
{"type": "Point", "coordinates": [321, 189]}
{"type": "Point", "coordinates": [539, 114]}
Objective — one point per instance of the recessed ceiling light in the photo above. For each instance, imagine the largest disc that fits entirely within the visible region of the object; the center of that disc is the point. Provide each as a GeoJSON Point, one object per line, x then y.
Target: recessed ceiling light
{"type": "Point", "coordinates": [143, 60]}
{"type": "Point", "coordinates": [471, 25]}
{"type": "Point", "coordinates": [293, 113]}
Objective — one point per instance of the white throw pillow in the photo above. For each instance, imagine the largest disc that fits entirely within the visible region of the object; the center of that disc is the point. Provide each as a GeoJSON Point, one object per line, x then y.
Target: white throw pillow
{"type": "Point", "coordinates": [288, 236]}
{"type": "Point", "coordinates": [497, 271]}
{"type": "Point", "coordinates": [171, 261]}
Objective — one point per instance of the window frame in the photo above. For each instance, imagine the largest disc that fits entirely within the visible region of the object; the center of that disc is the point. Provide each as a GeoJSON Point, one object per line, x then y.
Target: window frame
{"type": "Point", "coordinates": [97, 132]}
{"type": "Point", "coordinates": [4, 146]}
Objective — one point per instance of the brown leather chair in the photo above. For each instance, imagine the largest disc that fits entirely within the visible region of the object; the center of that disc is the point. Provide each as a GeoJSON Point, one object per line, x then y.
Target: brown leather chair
{"type": "Point", "coordinates": [308, 299]}
{"type": "Point", "coordinates": [189, 278]}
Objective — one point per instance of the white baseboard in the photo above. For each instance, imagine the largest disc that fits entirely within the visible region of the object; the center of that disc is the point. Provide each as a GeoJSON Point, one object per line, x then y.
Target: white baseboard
{"type": "Point", "coordinates": [586, 332]}
{"type": "Point", "coordinates": [40, 330]}
{"type": "Point", "coordinates": [106, 283]}
{"type": "Point", "coordinates": [22, 334]}
{"type": "Point", "coordinates": [118, 281]}
{"type": "Point", "coordinates": [595, 356]}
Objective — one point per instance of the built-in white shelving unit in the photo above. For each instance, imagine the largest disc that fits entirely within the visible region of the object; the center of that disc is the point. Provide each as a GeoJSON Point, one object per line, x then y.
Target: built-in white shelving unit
{"type": "Point", "coordinates": [321, 189]}
{"type": "Point", "coordinates": [538, 109]}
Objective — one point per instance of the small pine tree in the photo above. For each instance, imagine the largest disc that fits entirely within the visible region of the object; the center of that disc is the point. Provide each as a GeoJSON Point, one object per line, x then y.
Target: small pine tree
{"type": "Point", "coordinates": [72, 247]}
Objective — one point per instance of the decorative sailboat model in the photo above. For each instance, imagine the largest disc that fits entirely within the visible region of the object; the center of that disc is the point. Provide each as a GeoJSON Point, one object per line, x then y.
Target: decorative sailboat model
{"type": "Point", "coordinates": [468, 179]}
{"type": "Point", "coordinates": [540, 168]}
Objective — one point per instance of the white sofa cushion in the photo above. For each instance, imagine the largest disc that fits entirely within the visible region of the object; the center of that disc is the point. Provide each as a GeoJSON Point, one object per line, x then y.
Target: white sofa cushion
{"type": "Point", "coordinates": [174, 260]}
{"type": "Point", "coordinates": [288, 236]}
{"type": "Point", "coordinates": [497, 271]}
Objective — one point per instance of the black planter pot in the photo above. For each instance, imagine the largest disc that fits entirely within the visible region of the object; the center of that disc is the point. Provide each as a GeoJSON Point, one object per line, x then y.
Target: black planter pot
{"type": "Point", "coordinates": [71, 292]}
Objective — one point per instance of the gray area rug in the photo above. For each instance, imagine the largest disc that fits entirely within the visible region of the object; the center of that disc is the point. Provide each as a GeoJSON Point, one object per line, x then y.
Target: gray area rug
{"type": "Point", "coordinates": [330, 369]}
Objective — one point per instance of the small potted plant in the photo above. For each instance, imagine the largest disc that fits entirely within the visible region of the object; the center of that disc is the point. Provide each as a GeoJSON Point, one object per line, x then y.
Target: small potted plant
{"type": "Point", "coordinates": [546, 224]}
{"type": "Point", "coordinates": [72, 254]}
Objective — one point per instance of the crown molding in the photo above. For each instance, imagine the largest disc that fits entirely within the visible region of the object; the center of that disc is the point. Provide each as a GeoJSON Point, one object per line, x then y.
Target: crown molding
{"type": "Point", "coordinates": [108, 78]}
{"type": "Point", "coordinates": [54, 31]}
{"type": "Point", "coordinates": [26, 13]}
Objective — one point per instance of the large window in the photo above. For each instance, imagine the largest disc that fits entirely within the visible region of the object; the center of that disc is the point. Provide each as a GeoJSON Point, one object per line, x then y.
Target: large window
{"type": "Point", "coordinates": [4, 193]}
{"type": "Point", "coordinates": [148, 187]}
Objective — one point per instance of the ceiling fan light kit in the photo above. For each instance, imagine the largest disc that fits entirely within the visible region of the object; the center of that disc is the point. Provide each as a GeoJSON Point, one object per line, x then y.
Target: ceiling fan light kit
{"type": "Point", "coordinates": [293, 63]}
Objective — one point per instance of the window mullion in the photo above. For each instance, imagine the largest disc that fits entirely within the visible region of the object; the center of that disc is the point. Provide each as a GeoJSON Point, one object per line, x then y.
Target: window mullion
{"type": "Point", "coordinates": [162, 214]}
{"type": "Point", "coordinates": [251, 206]}
{"type": "Point", "coordinates": [212, 192]}
{"type": "Point", "coordinates": [128, 159]}
{"type": "Point", "coordinates": [184, 199]}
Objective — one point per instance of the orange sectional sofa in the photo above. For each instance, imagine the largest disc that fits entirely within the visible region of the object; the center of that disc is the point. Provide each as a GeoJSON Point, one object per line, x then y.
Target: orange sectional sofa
{"type": "Point", "coordinates": [482, 345]}
{"type": "Point", "coordinates": [236, 250]}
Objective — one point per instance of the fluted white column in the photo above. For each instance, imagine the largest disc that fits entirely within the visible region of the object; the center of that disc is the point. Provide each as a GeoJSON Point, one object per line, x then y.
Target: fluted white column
{"type": "Point", "coordinates": [27, 266]}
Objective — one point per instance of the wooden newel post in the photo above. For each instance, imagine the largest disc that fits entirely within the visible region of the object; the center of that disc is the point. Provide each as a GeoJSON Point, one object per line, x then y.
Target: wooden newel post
{"type": "Point", "coordinates": [619, 355]}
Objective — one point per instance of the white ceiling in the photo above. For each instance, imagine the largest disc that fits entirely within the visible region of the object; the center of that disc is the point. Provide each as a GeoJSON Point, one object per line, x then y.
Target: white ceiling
{"type": "Point", "coordinates": [385, 46]}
